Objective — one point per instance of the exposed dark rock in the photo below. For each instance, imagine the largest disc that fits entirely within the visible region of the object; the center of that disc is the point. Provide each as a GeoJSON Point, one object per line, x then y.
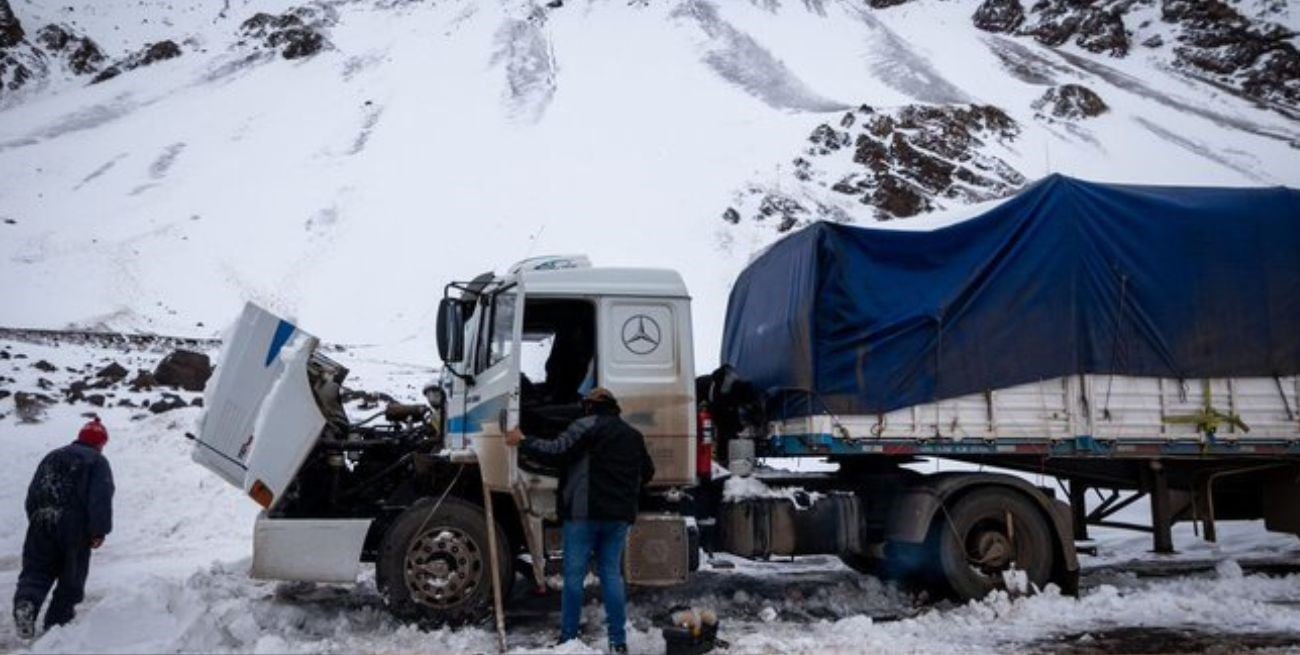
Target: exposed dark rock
{"type": "Point", "coordinates": [295, 33]}
{"type": "Point", "coordinates": [82, 54]}
{"type": "Point", "coordinates": [42, 365]}
{"type": "Point", "coordinates": [1095, 28]}
{"type": "Point", "coordinates": [185, 369]}
{"type": "Point", "coordinates": [1154, 41]}
{"type": "Point", "coordinates": [11, 30]}
{"type": "Point", "coordinates": [112, 372]}
{"type": "Point", "coordinates": [1071, 102]}
{"type": "Point", "coordinates": [787, 211]}
{"type": "Point", "coordinates": [881, 4]}
{"type": "Point", "coordinates": [901, 162]}
{"type": "Point", "coordinates": [999, 15]}
{"type": "Point", "coordinates": [96, 399]}
{"type": "Point", "coordinates": [1255, 56]}
{"type": "Point", "coordinates": [15, 71]}
{"type": "Point", "coordinates": [197, 401]}
{"type": "Point", "coordinates": [150, 54]}
{"type": "Point", "coordinates": [126, 402]}
{"type": "Point", "coordinates": [730, 215]}
{"type": "Point", "coordinates": [31, 406]}
{"type": "Point", "coordinates": [167, 403]}
{"type": "Point", "coordinates": [44, 384]}
{"type": "Point", "coordinates": [143, 381]}
{"type": "Point", "coordinates": [897, 198]}
{"type": "Point", "coordinates": [5, 393]}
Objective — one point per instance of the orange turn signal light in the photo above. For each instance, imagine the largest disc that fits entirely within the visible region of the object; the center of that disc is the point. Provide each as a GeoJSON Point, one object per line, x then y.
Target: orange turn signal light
{"type": "Point", "coordinates": [262, 494]}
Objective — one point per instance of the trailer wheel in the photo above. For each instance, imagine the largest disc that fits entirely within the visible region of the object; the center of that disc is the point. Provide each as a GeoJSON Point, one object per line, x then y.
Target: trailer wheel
{"type": "Point", "coordinates": [433, 565]}
{"type": "Point", "coordinates": [988, 532]}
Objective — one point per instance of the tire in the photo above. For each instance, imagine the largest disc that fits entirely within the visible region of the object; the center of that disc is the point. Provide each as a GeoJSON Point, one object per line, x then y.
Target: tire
{"type": "Point", "coordinates": [450, 579]}
{"type": "Point", "coordinates": [974, 547]}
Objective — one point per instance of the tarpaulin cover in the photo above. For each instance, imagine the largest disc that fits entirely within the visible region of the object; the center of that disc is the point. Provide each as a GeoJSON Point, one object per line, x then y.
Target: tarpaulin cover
{"type": "Point", "coordinates": [1067, 277]}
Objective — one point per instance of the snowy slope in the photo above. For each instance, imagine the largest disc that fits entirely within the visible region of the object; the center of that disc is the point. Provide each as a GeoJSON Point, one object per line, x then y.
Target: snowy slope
{"type": "Point", "coordinates": [430, 141]}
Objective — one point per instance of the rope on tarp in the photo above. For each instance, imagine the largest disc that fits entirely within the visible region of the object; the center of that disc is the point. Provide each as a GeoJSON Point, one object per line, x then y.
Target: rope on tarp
{"type": "Point", "coordinates": [1116, 342]}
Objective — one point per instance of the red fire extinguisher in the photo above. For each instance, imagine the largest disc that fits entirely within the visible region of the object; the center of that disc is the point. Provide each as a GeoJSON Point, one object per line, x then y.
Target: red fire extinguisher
{"type": "Point", "coordinates": [704, 444]}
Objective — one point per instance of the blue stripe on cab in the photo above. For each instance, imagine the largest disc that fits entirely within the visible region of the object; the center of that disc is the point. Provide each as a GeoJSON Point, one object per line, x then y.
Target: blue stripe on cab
{"type": "Point", "coordinates": [282, 333]}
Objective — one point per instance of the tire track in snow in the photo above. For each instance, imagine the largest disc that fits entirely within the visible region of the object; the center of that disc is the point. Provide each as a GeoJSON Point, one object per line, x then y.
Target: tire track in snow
{"type": "Point", "coordinates": [739, 59]}
{"type": "Point", "coordinates": [529, 62]}
{"type": "Point", "coordinates": [900, 67]}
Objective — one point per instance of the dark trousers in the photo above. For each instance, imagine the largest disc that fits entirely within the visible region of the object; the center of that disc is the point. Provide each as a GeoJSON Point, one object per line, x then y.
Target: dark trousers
{"type": "Point", "coordinates": [49, 558]}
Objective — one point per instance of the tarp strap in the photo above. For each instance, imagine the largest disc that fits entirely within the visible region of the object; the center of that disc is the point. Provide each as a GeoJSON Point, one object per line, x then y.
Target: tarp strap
{"type": "Point", "coordinates": [1116, 342]}
{"type": "Point", "coordinates": [1281, 391]}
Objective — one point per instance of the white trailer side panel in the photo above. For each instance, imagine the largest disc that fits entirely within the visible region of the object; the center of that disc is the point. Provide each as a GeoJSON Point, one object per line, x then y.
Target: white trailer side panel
{"type": "Point", "coordinates": [1105, 407]}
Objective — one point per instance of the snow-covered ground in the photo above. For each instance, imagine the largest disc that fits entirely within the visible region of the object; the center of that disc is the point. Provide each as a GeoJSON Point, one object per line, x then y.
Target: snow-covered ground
{"type": "Point", "coordinates": [173, 575]}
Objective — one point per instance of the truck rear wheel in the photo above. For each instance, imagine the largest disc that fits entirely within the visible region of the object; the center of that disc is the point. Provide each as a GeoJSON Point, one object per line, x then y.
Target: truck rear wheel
{"type": "Point", "coordinates": [988, 532]}
{"type": "Point", "coordinates": [433, 564]}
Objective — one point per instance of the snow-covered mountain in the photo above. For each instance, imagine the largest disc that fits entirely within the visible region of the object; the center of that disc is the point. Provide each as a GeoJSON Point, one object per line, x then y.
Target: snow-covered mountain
{"type": "Point", "coordinates": [161, 161]}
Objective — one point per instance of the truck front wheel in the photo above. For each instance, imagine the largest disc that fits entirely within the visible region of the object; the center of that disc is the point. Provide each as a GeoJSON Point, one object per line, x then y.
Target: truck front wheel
{"type": "Point", "coordinates": [434, 566]}
{"type": "Point", "coordinates": [988, 532]}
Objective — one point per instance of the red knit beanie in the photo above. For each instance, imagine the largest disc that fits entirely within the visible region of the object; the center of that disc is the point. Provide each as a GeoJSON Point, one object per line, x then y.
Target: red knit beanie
{"type": "Point", "coordinates": [93, 434]}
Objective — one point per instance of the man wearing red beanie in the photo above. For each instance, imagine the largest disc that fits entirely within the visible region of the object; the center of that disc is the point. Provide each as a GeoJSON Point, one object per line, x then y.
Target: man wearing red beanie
{"type": "Point", "coordinates": [69, 512]}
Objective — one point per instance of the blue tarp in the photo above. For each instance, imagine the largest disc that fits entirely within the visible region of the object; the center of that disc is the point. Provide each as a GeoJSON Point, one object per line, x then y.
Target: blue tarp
{"type": "Point", "coordinates": [1067, 277]}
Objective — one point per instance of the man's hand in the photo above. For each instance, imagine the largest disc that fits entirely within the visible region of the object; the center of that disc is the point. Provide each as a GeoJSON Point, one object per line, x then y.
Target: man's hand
{"type": "Point", "coordinates": [96, 542]}
{"type": "Point", "coordinates": [513, 437]}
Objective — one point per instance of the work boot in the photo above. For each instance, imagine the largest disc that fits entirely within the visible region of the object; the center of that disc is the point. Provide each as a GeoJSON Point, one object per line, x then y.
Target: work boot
{"type": "Point", "coordinates": [25, 620]}
{"type": "Point", "coordinates": [618, 649]}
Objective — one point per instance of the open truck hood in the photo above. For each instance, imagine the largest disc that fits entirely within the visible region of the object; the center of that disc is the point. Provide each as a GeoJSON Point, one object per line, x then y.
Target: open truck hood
{"type": "Point", "coordinates": [261, 419]}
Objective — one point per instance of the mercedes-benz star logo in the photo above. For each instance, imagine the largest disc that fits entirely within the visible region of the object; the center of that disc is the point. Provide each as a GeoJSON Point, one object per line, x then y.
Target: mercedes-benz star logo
{"type": "Point", "coordinates": [641, 334]}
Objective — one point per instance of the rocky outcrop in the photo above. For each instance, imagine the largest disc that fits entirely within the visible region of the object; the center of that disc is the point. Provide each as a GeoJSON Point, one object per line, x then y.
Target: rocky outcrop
{"type": "Point", "coordinates": [898, 163]}
{"type": "Point", "coordinates": [81, 54]}
{"type": "Point", "coordinates": [295, 34]}
{"type": "Point", "coordinates": [1002, 16]}
{"type": "Point", "coordinates": [19, 64]}
{"type": "Point", "coordinates": [910, 157]}
{"type": "Point", "coordinates": [1092, 25]}
{"type": "Point", "coordinates": [1258, 58]}
{"type": "Point", "coordinates": [184, 369]}
{"type": "Point", "coordinates": [1071, 102]}
{"type": "Point", "coordinates": [11, 30]}
{"type": "Point", "coordinates": [31, 406]}
{"type": "Point", "coordinates": [150, 54]}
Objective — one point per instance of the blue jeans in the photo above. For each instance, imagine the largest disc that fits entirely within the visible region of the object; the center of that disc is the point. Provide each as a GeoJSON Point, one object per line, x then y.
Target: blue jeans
{"type": "Point", "coordinates": [606, 540]}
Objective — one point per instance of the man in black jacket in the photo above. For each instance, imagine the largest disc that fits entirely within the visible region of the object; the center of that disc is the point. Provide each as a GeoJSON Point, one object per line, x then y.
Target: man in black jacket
{"type": "Point", "coordinates": [604, 465]}
{"type": "Point", "coordinates": [69, 512]}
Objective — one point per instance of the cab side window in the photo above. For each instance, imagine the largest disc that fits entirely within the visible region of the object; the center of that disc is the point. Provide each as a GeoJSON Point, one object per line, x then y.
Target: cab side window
{"type": "Point", "coordinates": [501, 342]}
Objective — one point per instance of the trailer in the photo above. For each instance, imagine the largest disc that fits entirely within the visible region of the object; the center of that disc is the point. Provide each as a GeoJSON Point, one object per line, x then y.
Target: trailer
{"type": "Point", "coordinates": [1136, 342]}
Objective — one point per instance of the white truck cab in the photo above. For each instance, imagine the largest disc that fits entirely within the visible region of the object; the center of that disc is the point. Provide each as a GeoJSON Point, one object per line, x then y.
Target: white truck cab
{"type": "Point", "coordinates": [519, 350]}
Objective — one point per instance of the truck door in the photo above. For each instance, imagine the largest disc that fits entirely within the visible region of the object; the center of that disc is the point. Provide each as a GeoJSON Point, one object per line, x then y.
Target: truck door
{"type": "Point", "coordinates": [491, 405]}
{"type": "Point", "coordinates": [645, 358]}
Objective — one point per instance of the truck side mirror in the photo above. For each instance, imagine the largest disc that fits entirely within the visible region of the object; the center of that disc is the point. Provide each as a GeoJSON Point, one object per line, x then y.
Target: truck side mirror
{"type": "Point", "coordinates": [451, 330]}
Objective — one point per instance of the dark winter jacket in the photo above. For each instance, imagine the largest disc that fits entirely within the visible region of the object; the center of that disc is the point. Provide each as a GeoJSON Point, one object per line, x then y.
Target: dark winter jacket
{"type": "Point", "coordinates": [72, 493]}
{"type": "Point", "coordinates": [604, 465]}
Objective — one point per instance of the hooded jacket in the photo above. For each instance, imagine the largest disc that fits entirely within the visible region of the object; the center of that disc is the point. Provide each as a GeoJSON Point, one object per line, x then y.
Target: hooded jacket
{"type": "Point", "coordinates": [72, 493]}
{"type": "Point", "coordinates": [603, 467]}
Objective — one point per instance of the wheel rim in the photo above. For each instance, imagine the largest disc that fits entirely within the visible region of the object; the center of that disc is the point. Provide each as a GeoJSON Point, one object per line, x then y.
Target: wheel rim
{"type": "Point", "coordinates": [443, 567]}
{"type": "Point", "coordinates": [991, 548]}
